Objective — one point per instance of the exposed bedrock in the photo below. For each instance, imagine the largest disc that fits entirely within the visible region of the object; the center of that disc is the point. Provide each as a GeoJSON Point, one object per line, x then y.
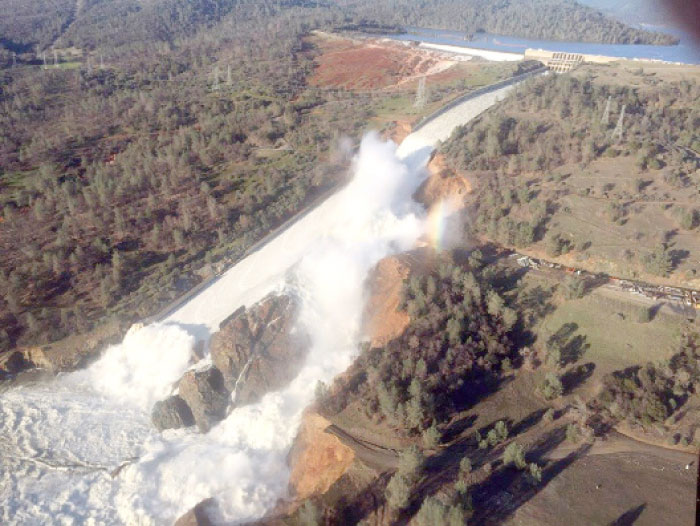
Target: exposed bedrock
{"type": "Point", "coordinates": [256, 351]}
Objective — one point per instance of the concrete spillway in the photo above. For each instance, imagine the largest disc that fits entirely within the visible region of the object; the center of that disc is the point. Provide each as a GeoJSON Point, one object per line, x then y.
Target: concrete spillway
{"type": "Point", "coordinates": [62, 440]}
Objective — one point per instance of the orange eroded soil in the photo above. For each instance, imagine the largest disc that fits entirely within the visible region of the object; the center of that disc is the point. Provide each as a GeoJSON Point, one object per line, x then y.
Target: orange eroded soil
{"type": "Point", "coordinates": [317, 458]}
{"type": "Point", "coordinates": [373, 64]}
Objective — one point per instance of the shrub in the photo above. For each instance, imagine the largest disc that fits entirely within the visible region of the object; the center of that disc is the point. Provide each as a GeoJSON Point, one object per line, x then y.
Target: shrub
{"type": "Point", "coordinates": [644, 315]}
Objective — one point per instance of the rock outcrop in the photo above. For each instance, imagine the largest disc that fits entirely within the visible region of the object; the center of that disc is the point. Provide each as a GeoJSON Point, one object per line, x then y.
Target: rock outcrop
{"type": "Point", "coordinates": [197, 516]}
{"type": "Point", "coordinates": [205, 395]}
{"type": "Point", "coordinates": [255, 351]}
{"type": "Point", "coordinates": [69, 354]}
{"type": "Point", "coordinates": [443, 184]}
{"type": "Point", "coordinates": [172, 413]}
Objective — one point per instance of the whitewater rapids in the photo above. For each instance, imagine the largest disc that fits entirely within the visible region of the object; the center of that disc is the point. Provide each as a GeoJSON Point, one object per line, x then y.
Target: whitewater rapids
{"type": "Point", "coordinates": [61, 441]}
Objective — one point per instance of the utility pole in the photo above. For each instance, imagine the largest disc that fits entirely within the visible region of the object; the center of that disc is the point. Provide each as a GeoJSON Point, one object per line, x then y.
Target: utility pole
{"type": "Point", "coordinates": [102, 61]}
{"type": "Point", "coordinates": [229, 79]}
{"type": "Point", "coordinates": [43, 55]}
{"type": "Point", "coordinates": [619, 130]}
{"type": "Point", "coordinates": [606, 114]}
{"type": "Point", "coordinates": [55, 58]}
{"type": "Point", "coordinates": [89, 65]}
{"type": "Point", "coordinates": [14, 59]}
{"type": "Point", "coordinates": [421, 97]}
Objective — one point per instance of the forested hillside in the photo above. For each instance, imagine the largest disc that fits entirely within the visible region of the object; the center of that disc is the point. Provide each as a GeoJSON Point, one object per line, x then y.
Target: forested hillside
{"type": "Point", "coordinates": [112, 23]}
{"type": "Point", "coordinates": [119, 182]}
{"type": "Point", "coordinates": [544, 19]}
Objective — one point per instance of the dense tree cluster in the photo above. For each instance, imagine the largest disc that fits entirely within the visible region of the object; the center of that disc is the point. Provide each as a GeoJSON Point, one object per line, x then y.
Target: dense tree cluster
{"type": "Point", "coordinates": [452, 350]}
{"type": "Point", "coordinates": [651, 393]}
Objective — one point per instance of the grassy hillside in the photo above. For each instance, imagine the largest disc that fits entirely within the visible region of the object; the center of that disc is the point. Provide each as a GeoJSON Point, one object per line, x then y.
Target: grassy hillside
{"type": "Point", "coordinates": [553, 179]}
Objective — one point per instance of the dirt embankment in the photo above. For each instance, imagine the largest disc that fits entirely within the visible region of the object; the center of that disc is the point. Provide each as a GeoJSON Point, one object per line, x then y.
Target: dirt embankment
{"type": "Point", "coordinates": [317, 459]}
{"type": "Point", "coordinates": [443, 184]}
{"type": "Point", "coordinates": [382, 320]}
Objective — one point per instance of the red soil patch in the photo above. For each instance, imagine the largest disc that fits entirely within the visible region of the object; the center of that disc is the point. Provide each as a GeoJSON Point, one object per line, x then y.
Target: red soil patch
{"type": "Point", "coordinates": [348, 64]}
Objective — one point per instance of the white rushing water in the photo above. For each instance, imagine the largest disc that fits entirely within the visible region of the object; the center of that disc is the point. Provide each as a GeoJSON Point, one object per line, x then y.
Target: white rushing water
{"type": "Point", "coordinates": [62, 440]}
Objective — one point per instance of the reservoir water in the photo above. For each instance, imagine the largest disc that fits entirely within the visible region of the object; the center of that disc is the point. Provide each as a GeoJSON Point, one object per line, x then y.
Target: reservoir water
{"type": "Point", "coordinates": [686, 52]}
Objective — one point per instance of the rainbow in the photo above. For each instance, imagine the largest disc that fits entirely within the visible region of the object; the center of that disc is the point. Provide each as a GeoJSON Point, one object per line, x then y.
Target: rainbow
{"type": "Point", "coordinates": [436, 227]}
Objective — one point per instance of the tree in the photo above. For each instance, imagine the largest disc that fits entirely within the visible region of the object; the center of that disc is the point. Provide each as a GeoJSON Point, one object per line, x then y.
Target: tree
{"type": "Point", "coordinates": [465, 467]}
{"type": "Point", "coordinates": [552, 387]}
{"type": "Point", "coordinates": [431, 436]}
{"type": "Point", "coordinates": [548, 415]}
{"type": "Point", "coordinates": [572, 433]}
{"type": "Point", "coordinates": [535, 473]}
{"type": "Point", "coordinates": [659, 262]}
{"type": "Point", "coordinates": [515, 455]}
{"type": "Point", "coordinates": [574, 288]}
{"type": "Point", "coordinates": [398, 492]}
{"type": "Point", "coordinates": [411, 463]}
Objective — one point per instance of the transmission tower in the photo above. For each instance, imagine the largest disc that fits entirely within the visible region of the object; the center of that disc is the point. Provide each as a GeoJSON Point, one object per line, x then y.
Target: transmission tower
{"type": "Point", "coordinates": [43, 55]}
{"type": "Point", "coordinates": [14, 59]}
{"type": "Point", "coordinates": [102, 61]}
{"type": "Point", "coordinates": [229, 80]}
{"type": "Point", "coordinates": [421, 97]}
{"type": "Point", "coordinates": [89, 65]}
{"type": "Point", "coordinates": [215, 86]}
{"type": "Point", "coordinates": [606, 114]}
{"type": "Point", "coordinates": [55, 58]}
{"type": "Point", "coordinates": [619, 129]}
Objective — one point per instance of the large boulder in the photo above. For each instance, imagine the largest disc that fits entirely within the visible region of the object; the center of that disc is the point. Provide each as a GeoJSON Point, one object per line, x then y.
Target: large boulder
{"type": "Point", "coordinates": [197, 516]}
{"type": "Point", "coordinates": [207, 397]}
{"type": "Point", "coordinates": [172, 413]}
{"type": "Point", "coordinates": [12, 362]}
{"type": "Point", "coordinates": [258, 350]}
